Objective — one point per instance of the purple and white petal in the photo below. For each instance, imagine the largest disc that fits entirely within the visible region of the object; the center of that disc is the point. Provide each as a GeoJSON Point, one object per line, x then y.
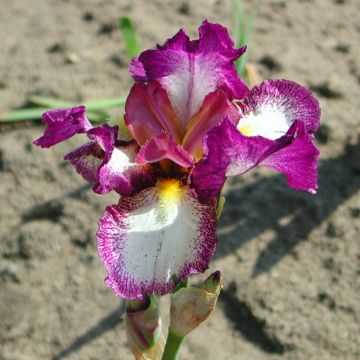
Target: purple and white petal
{"type": "Point", "coordinates": [227, 153]}
{"type": "Point", "coordinates": [119, 172]}
{"type": "Point", "coordinates": [86, 160]}
{"type": "Point", "coordinates": [110, 167]}
{"type": "Point", "coordinates": [151, 240]}
{"type": "Point", "coordinates": [272, 107]}
{"type": "Point", "coordinates": [164, 147]}
{"type": "Point", "coordinates": [63, 124]}
{"type": "Point", "coordinates": [297, 161]}
{"type": "Point", "coordinates": [190, 70]}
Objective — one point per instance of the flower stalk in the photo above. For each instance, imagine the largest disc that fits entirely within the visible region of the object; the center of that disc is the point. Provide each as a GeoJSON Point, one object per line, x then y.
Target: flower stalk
{"type": "Point", "coordinates": [173, 346]}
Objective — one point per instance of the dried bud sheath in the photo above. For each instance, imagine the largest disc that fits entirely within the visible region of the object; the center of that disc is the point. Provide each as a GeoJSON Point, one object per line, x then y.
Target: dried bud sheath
{"type": "Point", "coordinates": [191, 306]}
{"type": "Point", "coordinates": [143, 329]}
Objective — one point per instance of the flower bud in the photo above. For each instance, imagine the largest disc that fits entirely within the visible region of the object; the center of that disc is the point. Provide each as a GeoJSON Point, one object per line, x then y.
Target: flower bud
{"type": "Point", "coordinates": [191, 306]}
{"type": "Point", "coordinates": [143, 329]}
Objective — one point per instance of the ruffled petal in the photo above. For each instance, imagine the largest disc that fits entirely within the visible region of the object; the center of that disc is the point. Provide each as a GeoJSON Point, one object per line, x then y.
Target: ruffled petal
{"type": "Point", "coordinates": [149, 112]}
{"type": "Point", "coordinates": [298, 161]}
{"type": "Point", "coordinates": [62, 125]}
{"type": "Point", "coordinates": [190, 70]}
{"type": "Point", "coordinates": [150, 241]}
{"type": "Point", "coordinates": [119, 172]}
{"type": "Point", "coordinates": [164, 147]}
{"type": "Point", "coordinates": [230, 153]}
{"type": "Point", "coordinates": [110, 167]}
{"type": "Point", "coordinates": [215, 107]}
{"type": "Point", "coordinates": [272, 107]}
{"type": "Point", "coordinates": [226, 153]}
{"type": "Point", "coordinates": [137, 70]}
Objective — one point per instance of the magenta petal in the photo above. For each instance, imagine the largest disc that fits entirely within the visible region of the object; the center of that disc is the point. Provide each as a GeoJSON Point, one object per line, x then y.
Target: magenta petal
{"type": "Point", "coordinates": [149, 112]}
{"type": "Point", "coordinates": [190, 70]}
{"type": "Point", "coordinates": [180, 41]}
{"type": "Point", "coordinates": [297, 161]}
{"type": "Point", "coordinates": [63, 124]}
{"type": "Point", "coordinates": [227, 153]}
{"type": "Point", "coordinates": [137, 70]}
{"type": "Point", "coordinates": [215, 107]}
{"type": "Point", "coordinates": [164, 147]}
{"type": "Point", "coordinates": [86, 160]}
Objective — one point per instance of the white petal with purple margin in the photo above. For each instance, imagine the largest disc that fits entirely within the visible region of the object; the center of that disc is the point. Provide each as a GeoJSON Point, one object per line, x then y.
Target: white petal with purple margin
{"type": "Point", "coordinates": [155, 237]}
{"type": "Point", "coordinates": [272, 107]}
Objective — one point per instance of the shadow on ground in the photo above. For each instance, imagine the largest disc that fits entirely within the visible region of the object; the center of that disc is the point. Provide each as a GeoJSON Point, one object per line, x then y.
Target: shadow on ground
{"type": "Point", "coordinates": [250, 210]}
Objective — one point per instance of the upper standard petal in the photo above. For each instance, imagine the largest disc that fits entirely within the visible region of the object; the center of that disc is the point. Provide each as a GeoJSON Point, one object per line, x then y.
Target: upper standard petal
{"type": "Point", "coordinates": [190, 70]}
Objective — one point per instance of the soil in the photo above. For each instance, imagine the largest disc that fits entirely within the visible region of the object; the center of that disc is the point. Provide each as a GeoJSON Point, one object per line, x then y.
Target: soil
{"type": "Point", "coordinates": [290, 261]}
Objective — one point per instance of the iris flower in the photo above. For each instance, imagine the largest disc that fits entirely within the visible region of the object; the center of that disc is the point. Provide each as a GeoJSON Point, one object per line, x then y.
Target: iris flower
{"type": "Point", "coordinates": [193, 122]}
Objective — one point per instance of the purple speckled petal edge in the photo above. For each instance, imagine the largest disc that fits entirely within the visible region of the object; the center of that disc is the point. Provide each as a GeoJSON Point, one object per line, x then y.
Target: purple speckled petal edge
{"type": "Point", "coordinates": [145, 260]}
{"type": "Point", "coordinates": [293, 101]}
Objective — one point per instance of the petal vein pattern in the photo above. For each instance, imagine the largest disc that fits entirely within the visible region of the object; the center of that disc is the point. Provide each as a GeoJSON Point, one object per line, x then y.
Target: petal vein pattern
{"type": "Point", "coordinates": [149, 240]}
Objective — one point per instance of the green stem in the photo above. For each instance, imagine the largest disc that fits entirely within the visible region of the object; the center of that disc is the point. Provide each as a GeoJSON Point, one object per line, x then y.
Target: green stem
{"type": "Point", "coordinates": [173, 346]}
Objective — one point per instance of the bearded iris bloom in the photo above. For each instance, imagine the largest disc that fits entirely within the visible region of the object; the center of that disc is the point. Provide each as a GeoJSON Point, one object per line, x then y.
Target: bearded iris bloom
{"type": "Point", "coordinates": [193, 122]}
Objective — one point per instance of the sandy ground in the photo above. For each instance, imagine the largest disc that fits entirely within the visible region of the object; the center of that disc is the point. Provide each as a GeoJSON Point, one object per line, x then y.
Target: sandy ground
{"type": "Point", "coordinates": [290, 261]}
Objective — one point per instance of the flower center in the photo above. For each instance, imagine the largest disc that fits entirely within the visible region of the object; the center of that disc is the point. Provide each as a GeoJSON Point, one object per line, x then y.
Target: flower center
{"type": "Point", "coordinates": [170, 191]}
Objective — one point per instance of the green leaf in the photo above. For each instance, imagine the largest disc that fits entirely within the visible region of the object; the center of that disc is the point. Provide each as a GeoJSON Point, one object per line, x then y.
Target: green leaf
{"type": "Point", "coordinates": [51, 103]}
{"type": "Point", "coordinates": [36, 113]}
{"type": "Point", "coordinates": [100, 104]}
{"type": "Point", "coordinates": [243, 30]}
{"type": "Point", "coordinates": [128, 32]}
{"type": "Point", "coordinates": [22, 114]}
{"type": "Point", "coordinates": [97, 104]}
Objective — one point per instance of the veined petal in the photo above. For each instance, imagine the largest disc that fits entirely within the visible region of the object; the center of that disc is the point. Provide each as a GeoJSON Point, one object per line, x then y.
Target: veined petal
{"type": "Point", "coordinates": [149, 112]}
{"type": "Point", "coordinates": [151, 240]}
{"type": "Point", "coordinates": [226, 153]}
{"type": "Point", "coordinates": [63, 124]}
{"type": "Point", "coordinates": [272, 107]}
{"type": "Point", "coordinates": [215, 107]}
{"type": "Point", "coordinates": [86, 160]}
{"type": "Point", "coordinates": [110, 167]}
{"type": "Point", "coordinates": [164, 147]}
{"type": "Point", "coordinates": [190, 70]}
{"type": "Point", "coordinates": [119, 172]}
{"type": "Point", "coordinates": [298, 161]}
